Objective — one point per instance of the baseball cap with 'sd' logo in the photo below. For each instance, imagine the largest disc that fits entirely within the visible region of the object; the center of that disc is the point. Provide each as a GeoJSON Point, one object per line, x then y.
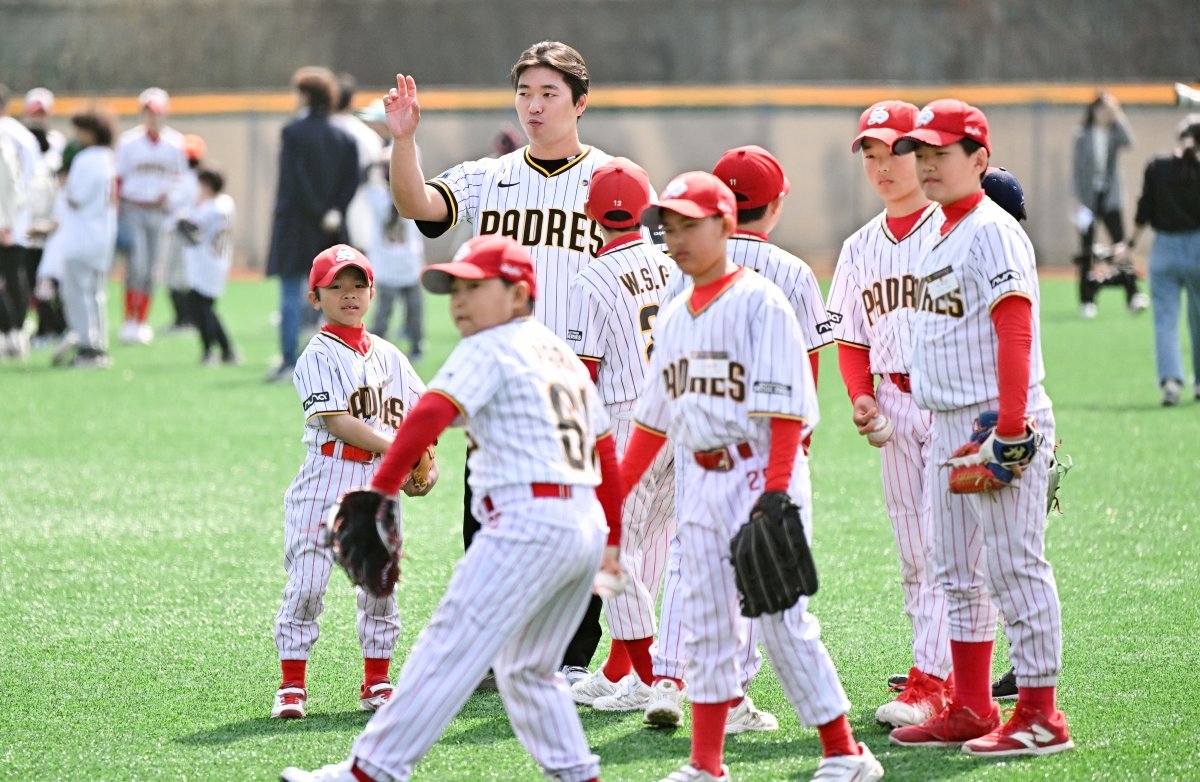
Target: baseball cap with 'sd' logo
{"type": "Point", "coordinates": [753, 174]}
{"type": "Point", "coordinates": [944, 122]}
{"type": "Point", "coordinates": [617, 194]}
{"type": "Point", "coordinates": [483, 258]}
{"type": "Point", "coordinates": [886, 121]}
{"type": "Point", "coordinates": [696, 194]}
{"type": "Point", "coordinates": [331, 261]}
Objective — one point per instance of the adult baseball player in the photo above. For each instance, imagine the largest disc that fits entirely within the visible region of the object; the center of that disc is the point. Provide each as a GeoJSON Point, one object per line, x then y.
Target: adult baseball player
{"type": "Point", "coordinates": [977, 366]}
{"type": "Point", "coordinates": [872, 300]}
{"type": "Point", "coordinates": [725, 385]}
{"type": "Point", "coordinates": [150, 162]}
{"type": "Point", "coordinates": [518, 594]}
{"type": "Point", "coordinates": [534, 195]}
{"type": "Point", "coordinates": [611, 308]}
{"type": "Point", "coordinates": [355, 389]}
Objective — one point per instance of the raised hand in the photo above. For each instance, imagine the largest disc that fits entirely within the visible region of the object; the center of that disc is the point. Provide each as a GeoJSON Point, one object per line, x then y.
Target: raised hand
{"type": "Point", "coordinates": [401, 108]}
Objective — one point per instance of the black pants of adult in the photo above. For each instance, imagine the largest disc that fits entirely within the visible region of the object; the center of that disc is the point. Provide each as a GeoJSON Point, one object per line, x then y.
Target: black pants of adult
{"type": "Point", "coordinates": [51, 321]}
{"type": "Point", "coordinates": [212, 333]}
{"type": "Point", "coordinates": [14, 288]}
{"type": "Point", "coordinates": [1089, 281]}
{"type": "Point", "coordinates": [587, 638]}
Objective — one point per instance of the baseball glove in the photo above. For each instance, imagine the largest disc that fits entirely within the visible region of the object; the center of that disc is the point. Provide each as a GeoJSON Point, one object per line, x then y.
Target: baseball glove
{"type": "Point", "coordinates": [1058, 470]}
{"type": "Point", "coordinates": [188, 230]}
{"type": "Point", "coordinates": [988, 463]}
{"type": "Point", "coordinates": [418, 480]}
{"type": "Point", "coordinates": [363, 530]}
{"type": "Point", "coordinates": [772, 563]}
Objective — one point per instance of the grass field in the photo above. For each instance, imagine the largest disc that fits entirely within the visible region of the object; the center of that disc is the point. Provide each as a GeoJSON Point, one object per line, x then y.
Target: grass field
{"type": "Point", "coordinates": [141, 516]}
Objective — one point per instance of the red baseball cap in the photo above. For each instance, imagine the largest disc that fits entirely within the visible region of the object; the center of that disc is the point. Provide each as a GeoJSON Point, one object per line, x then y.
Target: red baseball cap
{"type": "Point", "coordinates": [483, 258]}
{"type": "Point", "coordinates": [943, 122]}
{"type": "Point", "coordinates": [194, 146]}
{"type": "Point", "coordinates": [617, 194]}
{"type": "Point", "coordinates": [754, 176]}
{"type": "Point", "coordinates": [886, 121]}
{"type": "Point", "coordinates": [331, 261]}
{"type": "Point", "coordinates": [695, 194]}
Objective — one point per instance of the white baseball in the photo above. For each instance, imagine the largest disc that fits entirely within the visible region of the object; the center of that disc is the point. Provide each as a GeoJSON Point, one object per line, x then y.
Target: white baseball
{"type": "Point", "coordinates": [882, 431]}
{"type": "Point", "coordinates": [608, 585]}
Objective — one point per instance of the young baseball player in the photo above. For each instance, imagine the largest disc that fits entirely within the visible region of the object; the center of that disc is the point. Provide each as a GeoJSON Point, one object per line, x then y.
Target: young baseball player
{"type": "Point", "coordinates": [355, 389]}
{"type": "Point", "coordinates": [725, 385]}
{"type": "Point", "coordinates": [871, 304]}
{"type": "Point", "coordinates": [150, 160]}
{"type": "Point", "coordinates": [184, 197]}
{"type": "Point", "coordinates": [207, 232]}
{"type": "Point", "coordinates": [518, 594]}
{"type": "Point", "coordinates": [976, 350]}
{"type": "Point", "coordinates": [611, 309]}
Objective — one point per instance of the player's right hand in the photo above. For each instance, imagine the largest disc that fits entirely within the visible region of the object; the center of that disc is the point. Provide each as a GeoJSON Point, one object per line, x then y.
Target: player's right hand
{"type": "Point", "coordinates": [865, 412]}
{"type": "Point", "coordinates": [401, 108]}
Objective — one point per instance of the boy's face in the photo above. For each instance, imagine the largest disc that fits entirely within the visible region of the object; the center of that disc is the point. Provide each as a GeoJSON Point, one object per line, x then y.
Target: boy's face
{"type": "Point", "coordinates": [696, 244]}
{"type": "Point", "coordinates": [544, 106]}
{"type": "Point", "coordinates": [892, 176]}
{"type": "Point", "coordinates": [476, 305]}
{"type": "Point", "coordinates": [948, 173]}
{"type": "Point", "coordinates": [345, 300]}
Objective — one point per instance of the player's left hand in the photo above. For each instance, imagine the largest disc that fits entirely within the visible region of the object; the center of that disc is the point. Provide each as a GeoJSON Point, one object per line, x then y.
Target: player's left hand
{"type": "Point", "coordinates": [989, 462]}
{"type": "Point", "coordinates": [363, 529]}
{"type": "Point", "coordinates": [611, 579]}
{"type": "Point", "coordinates": [864, 413]}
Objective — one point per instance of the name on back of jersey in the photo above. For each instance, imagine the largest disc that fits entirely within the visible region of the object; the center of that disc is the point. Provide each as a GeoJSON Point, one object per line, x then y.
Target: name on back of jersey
{"type": "Point", "coordinates": [544, 228]}
{"type": "Point", "coordinates": [642, 281]}
{"type": "Point", "coordinates": [708, 374]}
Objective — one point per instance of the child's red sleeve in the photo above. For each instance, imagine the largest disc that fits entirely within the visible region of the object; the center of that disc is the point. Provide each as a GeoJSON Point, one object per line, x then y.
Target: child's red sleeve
{"type": "Point", "coordinates": [610, 492]}
{"type": "Point", "coordinates": [1013, 318]}
{"type": "Point", "coordinates": [593, 367]}
{"type": "Point", "coordinates": [785, 439]}
{"type": "Point", "coordinates": [419, 430]}
{"type": "Point", "coordinates": [854, 363]}
{"type": "Point", "coordinates": [643, 446]}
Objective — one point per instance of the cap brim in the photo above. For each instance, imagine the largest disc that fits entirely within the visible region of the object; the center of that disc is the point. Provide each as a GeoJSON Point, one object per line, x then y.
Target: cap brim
{"type": "Point", "coordinates": [886, 135]}
{"type": "Point", "coordinates": [438, 277]}
{"type": "Point", "coordinates": [934, 138]}
{"type": "Point", "coordinates": [652, 215]}
{"type": "Point", "coordinates": [337, 268]}
{"type": "Point", "coordinates": [154, 107]}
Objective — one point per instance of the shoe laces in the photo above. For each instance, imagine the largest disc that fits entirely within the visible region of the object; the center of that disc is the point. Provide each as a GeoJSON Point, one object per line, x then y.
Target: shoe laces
{"type": "Point", "coordinates": [919, 688]}
{"type": "Point", "coordinates": [1017, 718]}
{"type": "Point", "coordinates": [291, 699]}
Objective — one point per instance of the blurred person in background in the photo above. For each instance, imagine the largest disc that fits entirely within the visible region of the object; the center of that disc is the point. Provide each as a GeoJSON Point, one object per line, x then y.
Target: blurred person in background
{"type": "Point", "coordinates": [359, 215]}
{"type": "Point", "coordinates": [397, 251]}
{"type": "Point", "coordinates": [183, 200]}
{"type": "Point", "coordinates": [51, 324]}
{"type": "Point", "coordinates": [23, 172]}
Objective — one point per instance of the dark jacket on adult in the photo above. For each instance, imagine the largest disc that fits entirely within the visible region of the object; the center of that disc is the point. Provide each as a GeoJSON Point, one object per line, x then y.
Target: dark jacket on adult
{"type": "Point", "coordinates": [318, 171]}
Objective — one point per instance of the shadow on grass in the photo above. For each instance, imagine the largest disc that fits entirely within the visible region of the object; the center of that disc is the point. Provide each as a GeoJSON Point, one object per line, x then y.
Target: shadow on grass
{"type": "Point", "coordinates": [264, 726]}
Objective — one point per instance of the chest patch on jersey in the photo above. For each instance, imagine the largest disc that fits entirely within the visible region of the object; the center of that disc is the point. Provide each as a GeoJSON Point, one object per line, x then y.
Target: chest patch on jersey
{"type": "Point", "coordinates": [574, 335]}
{"type": "Point", "coordinates": [1009, 275]}
{"type": "Point", "coordinates": [709, 365]}
{"type": "Point", "coordinates": [765, 387]}
{"type": "Point", "coordinates": [320, 396]}
{"type": "Point", "coordinates": [941, 282]}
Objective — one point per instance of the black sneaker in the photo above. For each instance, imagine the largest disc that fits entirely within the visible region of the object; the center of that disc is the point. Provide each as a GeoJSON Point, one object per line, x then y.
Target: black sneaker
{"type": "Point", "coordinates": [1005, 688]}
{"type": "Point", "coordinates": [897, 682]}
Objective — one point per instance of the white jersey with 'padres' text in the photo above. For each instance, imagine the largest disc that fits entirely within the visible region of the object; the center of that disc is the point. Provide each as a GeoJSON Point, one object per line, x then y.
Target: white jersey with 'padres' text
{"type": "Point", "coordinates": [612, 305]}
{"type": "Point", "coordinates": [333, 378]}
{"type": "Point", "coordinates": [983, 259]}
{"type": "Point", "coordinates": [718, 374]}
{"type": "Point", "coordinates": [873, 296]}
{"type": "Point", "coordinates": [531, 412]}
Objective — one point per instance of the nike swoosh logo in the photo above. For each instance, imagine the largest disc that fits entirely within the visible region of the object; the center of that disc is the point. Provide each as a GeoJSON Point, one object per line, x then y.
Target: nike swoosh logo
{"type": "Point", "coordinates": [506, 184]}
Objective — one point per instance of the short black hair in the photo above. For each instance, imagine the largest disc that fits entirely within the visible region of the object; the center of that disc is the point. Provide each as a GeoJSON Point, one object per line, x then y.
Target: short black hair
{"type": "Point", "coordinates": [347, 86]}
{"type": "Point", "coordinates": [97, 122]}
{"type": "Point", "coordinates": [559, 57]}
{"type": "Point", "coordinates": [213, 179]}
{"type": "Point", "coordinates": [752, 214]}
{"type": "Point", "coordinates": [970, 145]}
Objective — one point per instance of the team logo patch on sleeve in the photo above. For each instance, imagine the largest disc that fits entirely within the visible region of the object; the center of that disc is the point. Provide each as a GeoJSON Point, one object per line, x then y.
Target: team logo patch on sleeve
{"type": "Point", "coordinates": [766, 387]}
{"type": "Point", "coordinates": [834, 317]}
{"type": "Point", "coordinates": [825, 326]}
{"type": "Point", "coordinates": [320, 396]}
{"type": "Point", "coordinates": [1011, 275]}
{"type": "Point", "coordinates": [574, 335]}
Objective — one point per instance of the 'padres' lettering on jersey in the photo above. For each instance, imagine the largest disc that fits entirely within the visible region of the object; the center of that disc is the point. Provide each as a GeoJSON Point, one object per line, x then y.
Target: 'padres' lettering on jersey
{"type": "Point", "coordinates": [332, 378]}
{"type": "Point", "coordinates": [612, 305]}
{"type": "Point", "coordinates": [529, 407]}
{"type": "Point", "coordinates": [543, 210]}
{"type": "Point", "coordinates": [983, 259]}
{"type": "Point", "coordinates": [717, 375]}
{"type": "Point", "coordinates": [875, 288]}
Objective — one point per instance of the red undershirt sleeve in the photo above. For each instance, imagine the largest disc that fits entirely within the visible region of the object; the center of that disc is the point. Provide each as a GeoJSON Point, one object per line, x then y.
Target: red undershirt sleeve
{"type": "Point", "coordinates": [610, 492]}
{"type": "Point", "coordinates": [855, 365]}
{"type": "Point", "coordinates": [785, 439]}
{"type": "Point", "coordinates": [643, 446]}
{"type": "Point", "coordinates": [814, 361]}
{"type": "Point", "coordinates": [419, 430]}
{"type": "Point", "coordinates": [1013, 319]}
{"type": "Point", "coordinates": [593, 367]}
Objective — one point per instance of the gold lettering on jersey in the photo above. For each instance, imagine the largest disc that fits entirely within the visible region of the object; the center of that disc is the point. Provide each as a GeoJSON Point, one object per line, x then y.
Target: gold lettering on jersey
{"type": "Point", "coordinates": [679, 381]}
{"type": "Point", "coordinates": [544, 228]}
{"type": "Point", "coordinates": [644, 280]}
{"type": "Point", "coordinates": [368, 402]}
{"type": "Point", "coordinates": [888, 295]}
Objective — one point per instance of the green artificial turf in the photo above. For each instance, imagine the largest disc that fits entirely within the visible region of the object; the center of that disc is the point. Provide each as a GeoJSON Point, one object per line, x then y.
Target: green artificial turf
{"type": "Point", "coordinates": [141, 516]}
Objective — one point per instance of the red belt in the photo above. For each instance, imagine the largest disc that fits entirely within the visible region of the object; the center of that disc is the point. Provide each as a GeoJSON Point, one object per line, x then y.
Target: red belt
{"type": "Point", "coordinates": [901, 382]}
{"type": "Point", "coordinates": [560, 490]}
{"type": "Point", "coordinates": [349, 452]}
{"type": "Point", "coordinates": [721, 459]}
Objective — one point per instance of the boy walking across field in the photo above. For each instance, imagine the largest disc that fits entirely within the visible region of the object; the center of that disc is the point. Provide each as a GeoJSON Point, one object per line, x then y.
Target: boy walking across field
{"type": "Point", "coordinates": [517, 596]}
{"type": "Point", "coordinates": [728, 383]}
{"type": "Point", "coordinates": [355, 389]}
{"type": "Point", "coordinates": [207, 233]}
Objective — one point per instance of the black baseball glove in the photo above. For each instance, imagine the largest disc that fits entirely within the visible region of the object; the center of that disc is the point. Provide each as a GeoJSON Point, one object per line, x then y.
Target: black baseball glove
{"type": "Point", "coordinates": [364, 531]}
{"type": "Point", "coordinates": [772, 563]}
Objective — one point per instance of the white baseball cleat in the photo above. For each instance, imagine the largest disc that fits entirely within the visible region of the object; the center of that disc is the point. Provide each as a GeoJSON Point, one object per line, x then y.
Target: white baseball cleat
{"type": "Point", "coordinates": [145, 334]}
{"type": "Point", "coordinates": [335, 772]}
{"type": "Point", "coordinates": [374, 697]}
{"type": "Point", "coordinates": [923, 697]}
{"type": "Point", "coordinates": [850, 768]}
{"type": "Point", "coordinates": [665, 709]}
{"type": "Point", "coordinates": [572, 673]}
{"type": "Point", "coordinates": [289, 703]}
{"type": "Point", "coordinates": [595, 685]}
{"type": "Point", "coordinates": [746, 717]}
{"type": "Point", "coordinates": [129, 332]}
{"type": "Point", "coordinates": [690, 773]}
{"type": "Point", "coordinates": [632, 695]}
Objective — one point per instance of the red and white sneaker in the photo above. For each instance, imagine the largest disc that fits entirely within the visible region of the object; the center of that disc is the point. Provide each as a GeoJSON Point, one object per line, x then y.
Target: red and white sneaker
{"type": "Point", "coordinates": [1027, 732]}
{"type": "Point", "coordinates": [923, 697]}
{"type": "Point", "coordinates": [952, 726]}
{"type": "Point", "coordinates": [374, 697]}
{"type": "Point", "coordinates": [289, 703]}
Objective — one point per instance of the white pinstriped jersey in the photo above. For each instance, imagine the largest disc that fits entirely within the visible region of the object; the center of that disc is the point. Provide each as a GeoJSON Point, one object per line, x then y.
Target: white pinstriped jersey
{"type": "Point", "coordinates": [873, 296]}
{"type": "Point", "coordinates": [531, 412]}
{"type": "Point", "coordinates": [331, 378]}
{"type": "Point", "coordinates": [543, 210]}
{"type": "Point", "coordinates": [611, 309]}
{"type": "Point", "coordinates": [149, 169]}
{"type": "Point", "coordinates": [983, 259]}
{"type": "Point", "coordinates": [717, 375]}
